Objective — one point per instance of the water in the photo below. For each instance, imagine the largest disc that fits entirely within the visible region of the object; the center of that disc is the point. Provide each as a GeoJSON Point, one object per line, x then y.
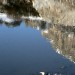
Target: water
{"type": "Point", "coordinates": [33, 46]}
{"type": "Point", "coordinates": [24, 51]}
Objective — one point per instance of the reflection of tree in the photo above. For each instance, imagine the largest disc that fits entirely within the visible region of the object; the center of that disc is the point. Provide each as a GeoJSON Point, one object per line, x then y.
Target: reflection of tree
{"type": "Point", "coordinates": [19, 8]}
{"type": "Point", "coordinates": [33, 23]}
{"type": "Point", "coordinates": [16, 9]}
{"type": "Point", "coordinates": [13, 24]}
{"type": "Point", "coordinates": [1, 21]}
{"type": "Point", "coordinates": [27, 10]}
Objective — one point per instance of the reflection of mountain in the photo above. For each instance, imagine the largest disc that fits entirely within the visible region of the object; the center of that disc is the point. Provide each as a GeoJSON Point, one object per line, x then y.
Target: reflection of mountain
{"type": "Point", "coordinates": [63, 40]}
{"type": "Point", "coordinates": [61, 37]}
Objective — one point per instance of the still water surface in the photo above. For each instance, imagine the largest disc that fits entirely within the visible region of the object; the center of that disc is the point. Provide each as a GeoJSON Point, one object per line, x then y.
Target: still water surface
{"type": "Point", "coordinates": [24, 51]}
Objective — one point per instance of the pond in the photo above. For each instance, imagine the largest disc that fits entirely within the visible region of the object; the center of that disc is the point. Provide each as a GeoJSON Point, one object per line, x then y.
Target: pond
{"type": "Point", "coordinates": [27, 49]}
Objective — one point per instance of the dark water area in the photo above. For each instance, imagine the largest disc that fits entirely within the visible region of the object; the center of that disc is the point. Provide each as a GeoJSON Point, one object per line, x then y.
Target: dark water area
{"type": "Point", "coordinates": [31, 46]}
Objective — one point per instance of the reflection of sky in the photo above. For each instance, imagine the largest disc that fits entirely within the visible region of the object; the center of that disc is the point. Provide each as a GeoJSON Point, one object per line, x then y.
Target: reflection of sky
{"type": "Point", "coordinates": [24, 50]}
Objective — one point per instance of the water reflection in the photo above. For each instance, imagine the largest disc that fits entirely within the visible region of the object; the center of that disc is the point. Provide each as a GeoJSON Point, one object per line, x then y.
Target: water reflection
{"type": "Point", "coordinates": [16, 8]}
{"type": "Point", "coordinates": [63, 40]}
{"type": "Point", "coordinates": [61, 37]}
